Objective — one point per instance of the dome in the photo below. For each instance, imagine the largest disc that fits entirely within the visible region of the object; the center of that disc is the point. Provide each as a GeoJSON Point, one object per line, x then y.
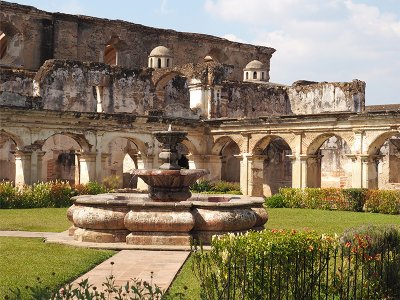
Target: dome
{"type": "Point", "coordinates": [255, 64]}
{"type": "Point", "coordinates": [161, 51]}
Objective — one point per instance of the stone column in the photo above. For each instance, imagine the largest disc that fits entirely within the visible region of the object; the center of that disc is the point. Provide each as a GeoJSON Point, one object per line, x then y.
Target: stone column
{"type": "Point", "coordinates": [87, 167]}
{"type": "Point", "coordinates": [144, 162]}
{"type": "Point", "coordinates": [213, 163]}
{"type": "Point", "coordinates": [23, 167]}
{"type": "Point", "coordinates": [314, 171]}
{"type": "Point", "coordinates": [356, 170]}
{"type": "Point", "coordinates": [196, 161]}
{"type": "Point", "coordinates": [256, 175]}
{"type": "Point", "coordinates": [370, 171]}
{"type": "Point", "coordinates": [36, 165]}
{"type": "Point", "coordinates": [297, 174]}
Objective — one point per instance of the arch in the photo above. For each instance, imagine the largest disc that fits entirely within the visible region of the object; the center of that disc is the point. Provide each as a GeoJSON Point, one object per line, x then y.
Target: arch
{"type": "Point", "coordinates": [263, 142]}
{"type": "Point", "coordinates": [317, 142]}
{"type": "Point", "coordinates": [11, 44]}
{"type": "Point", "coordinates": [167, 64]}
{"type": "Point", "coordinates": [60, 161]}
{"type": "Point", "coordinates": [247, 75]}
{"type": "Point", "coordinates": [83, 143]}
{"type": "Point", "coordinates": [376, 144]}
{"type": "Point", "coordinates": [172, 88]}
{"type": "Point", "coordinates": [384, 161]}
{"type": "Point", "coordinates": [142, 145]}
{"type": "Point", "coordinates": [327, 162]}
{"type": "Point", "coordinates": [123, 157]}
{"type": "Point", "coordinates": [7, 159]}
{"type": "Point", "coordinates": [110, 55]}
{"type": "Point", "coordinates": [254, 75]}
{"type": "Point", "coordinates": [220, 143]}
{"type": "Point", "coordinates": [273, 155]}
{"type": "Point", "coordinates": [16, 139]}
{"type": "Point", "coordinates": [159, 63]}
{"type": "Point", "coordinates": [3, 44]}
{"type": "Point", "coordinates": [218, 55]}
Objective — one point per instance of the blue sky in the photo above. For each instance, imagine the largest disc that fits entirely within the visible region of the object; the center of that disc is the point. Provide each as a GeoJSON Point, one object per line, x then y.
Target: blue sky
{"type": "Point", "coordinates": [320, 40]}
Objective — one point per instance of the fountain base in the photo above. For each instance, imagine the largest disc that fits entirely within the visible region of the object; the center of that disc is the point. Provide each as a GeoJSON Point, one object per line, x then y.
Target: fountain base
{"type": "Point", "coordinates": [132, 219]}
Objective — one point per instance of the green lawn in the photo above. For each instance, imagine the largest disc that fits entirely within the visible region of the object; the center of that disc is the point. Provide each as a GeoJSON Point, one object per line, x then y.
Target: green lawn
{"type": "Point", "coordinates": [25, 259]}
{"type": "Point", "coordinates": [35, 219]}
{"type": "Point", "coordinates": [31, 256]}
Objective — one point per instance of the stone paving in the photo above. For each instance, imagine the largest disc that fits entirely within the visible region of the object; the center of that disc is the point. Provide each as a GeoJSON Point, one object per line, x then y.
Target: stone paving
{"type": "Point", "coordinates": [131, 262]}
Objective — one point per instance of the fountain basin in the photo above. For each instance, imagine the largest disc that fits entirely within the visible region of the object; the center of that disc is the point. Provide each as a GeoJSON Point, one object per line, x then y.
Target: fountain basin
{"type": "Point", "coordinates": [133, 219]}
{"type": "Point", "coordinates": [170, 185]}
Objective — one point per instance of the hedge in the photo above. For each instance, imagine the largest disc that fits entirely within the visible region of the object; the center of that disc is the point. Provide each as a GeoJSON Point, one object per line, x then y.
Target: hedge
{"type": "Point", "coordinates": [353, 199]}
{"type": "Point", "coordinates": [44, 194]}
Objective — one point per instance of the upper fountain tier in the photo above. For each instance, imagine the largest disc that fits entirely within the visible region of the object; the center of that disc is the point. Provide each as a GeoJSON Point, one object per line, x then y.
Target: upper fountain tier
{"type": "Point", "coordinates": [170, 183]}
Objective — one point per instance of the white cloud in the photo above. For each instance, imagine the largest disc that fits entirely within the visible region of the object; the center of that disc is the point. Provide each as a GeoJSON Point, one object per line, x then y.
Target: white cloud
{"type": "Point", "coordinates": [233, 38]}
{"type": "Point", "coordinates": [333, 40]}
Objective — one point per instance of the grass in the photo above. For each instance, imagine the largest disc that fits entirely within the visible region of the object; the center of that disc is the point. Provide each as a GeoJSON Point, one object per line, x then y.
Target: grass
{"type": "Point", "coordinates": [35, 219]}
{"type": "Point", "coordinates": [322, 221]}
{"type": "Point", "coordinates": [24, 260]}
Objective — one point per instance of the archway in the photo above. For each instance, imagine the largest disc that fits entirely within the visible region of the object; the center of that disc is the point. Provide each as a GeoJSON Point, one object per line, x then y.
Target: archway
{"type": "Point", "coordinates": [110, 55]}
{"type": "Point", "coordinates": [60, 161]}
{"type": "Point", "coordinates": [230, 162]}
{"type": "Point", "coordinates": [172, 88]}
{"type": "Point", "coordinates": [384, 162]}
{"type": "Point", "coordinates": [123, 157]}
{"type": "Point", "coordinates": [3, 44]}
{"type": "Point", "coordinates": [327, 162]}
{"type": "Point", "coordinates": [7, 159]}
{"type": "Point", "coordinates": [276, 164]}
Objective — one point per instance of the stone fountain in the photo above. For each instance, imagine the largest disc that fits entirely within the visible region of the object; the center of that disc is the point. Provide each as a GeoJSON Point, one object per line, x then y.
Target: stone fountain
{"type": "Point", "coordinates": [168, 215]}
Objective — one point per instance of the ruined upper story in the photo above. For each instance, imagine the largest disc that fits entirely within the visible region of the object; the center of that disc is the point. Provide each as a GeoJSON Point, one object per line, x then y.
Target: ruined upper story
{"type": "Point", "coordinates": [34, 36]}
{"type": "Point", "coordinates": [63, 62]}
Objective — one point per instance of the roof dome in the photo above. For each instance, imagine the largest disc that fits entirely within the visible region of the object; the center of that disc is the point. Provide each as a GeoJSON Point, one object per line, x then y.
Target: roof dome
{"type": "Point", "coordinates": [161, 51]}
{"type": "Point", "coordinates": [255, 64]}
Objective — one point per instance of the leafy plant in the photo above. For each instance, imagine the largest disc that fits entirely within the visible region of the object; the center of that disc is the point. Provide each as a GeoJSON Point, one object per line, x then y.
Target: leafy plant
{"type": "Point", "coordinates": [275, 201]}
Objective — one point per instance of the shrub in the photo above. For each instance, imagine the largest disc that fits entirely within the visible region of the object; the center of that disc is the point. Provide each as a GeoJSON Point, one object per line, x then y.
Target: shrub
{"type": "Point", "coordinates": [293, 197]}
{"type": "Point", "coordinates": [44, 194]}
{"type": "Point", "coordinates": [218, 187]}
{"type": "Point", "coordinates": [275, 201]}
{"type": "Point", "coordinates": [111, 182]}
{"type": "Point", "coordinates": [383, 201]}
{"type": "Point", "coordinates": [280, 264]}
{"type": "Point", "coordinates": [202, 186]}
{"type": "Point", "coordinates": [355, 198]}
{"type": "Point", "coordinates": [94, 188]}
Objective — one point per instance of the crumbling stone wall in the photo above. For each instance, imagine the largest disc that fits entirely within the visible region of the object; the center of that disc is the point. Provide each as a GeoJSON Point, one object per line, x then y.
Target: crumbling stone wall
{"type": "Point", "coordinates": [16, 87]}
{"type": "Point", "coordinates": [62, 36]}
{"type": "Point", "coordinates": [308, 97]}
{"type": "Point", "coordinates": [253, 100]}
{"type": "Point", "coordinates": [71, 86]}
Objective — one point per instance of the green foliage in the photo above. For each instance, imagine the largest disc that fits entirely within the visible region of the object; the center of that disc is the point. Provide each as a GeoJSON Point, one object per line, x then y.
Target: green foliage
{"type": "Point", "coordinates": [383, 201]}
{"type": "Point", "coordinates": [44, 194]}
{"type": "Point", "coordinates": [281, 264]}
{"type": "Point", "coordinates": [262, 265]}
{"type": "Point", "coordinates": [275, 201]}
{"type": "Point", "coordinates": [380, 201]}
{"type": "Point", "coordinates": [112, 182]}
{"type": "Point", "coordinates": [218, 187]}
{"type": "Point", "coordinates": [355, 198]}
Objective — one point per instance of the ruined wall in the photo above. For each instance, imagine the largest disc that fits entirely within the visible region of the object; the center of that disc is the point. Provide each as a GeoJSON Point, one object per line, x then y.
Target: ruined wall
{"type": "Point", "coordinates": [253, 100]}
{"type": "Point", "coordinates": [60, 36]}
{"type": "Point", "coordinates": [75, 86]}
{"type": "Point", "coordinates": [16, 87]}
{"type": "Point", "coordinates": [312, 97]}
{"type": "Point", "coordinates": [29, 34]}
